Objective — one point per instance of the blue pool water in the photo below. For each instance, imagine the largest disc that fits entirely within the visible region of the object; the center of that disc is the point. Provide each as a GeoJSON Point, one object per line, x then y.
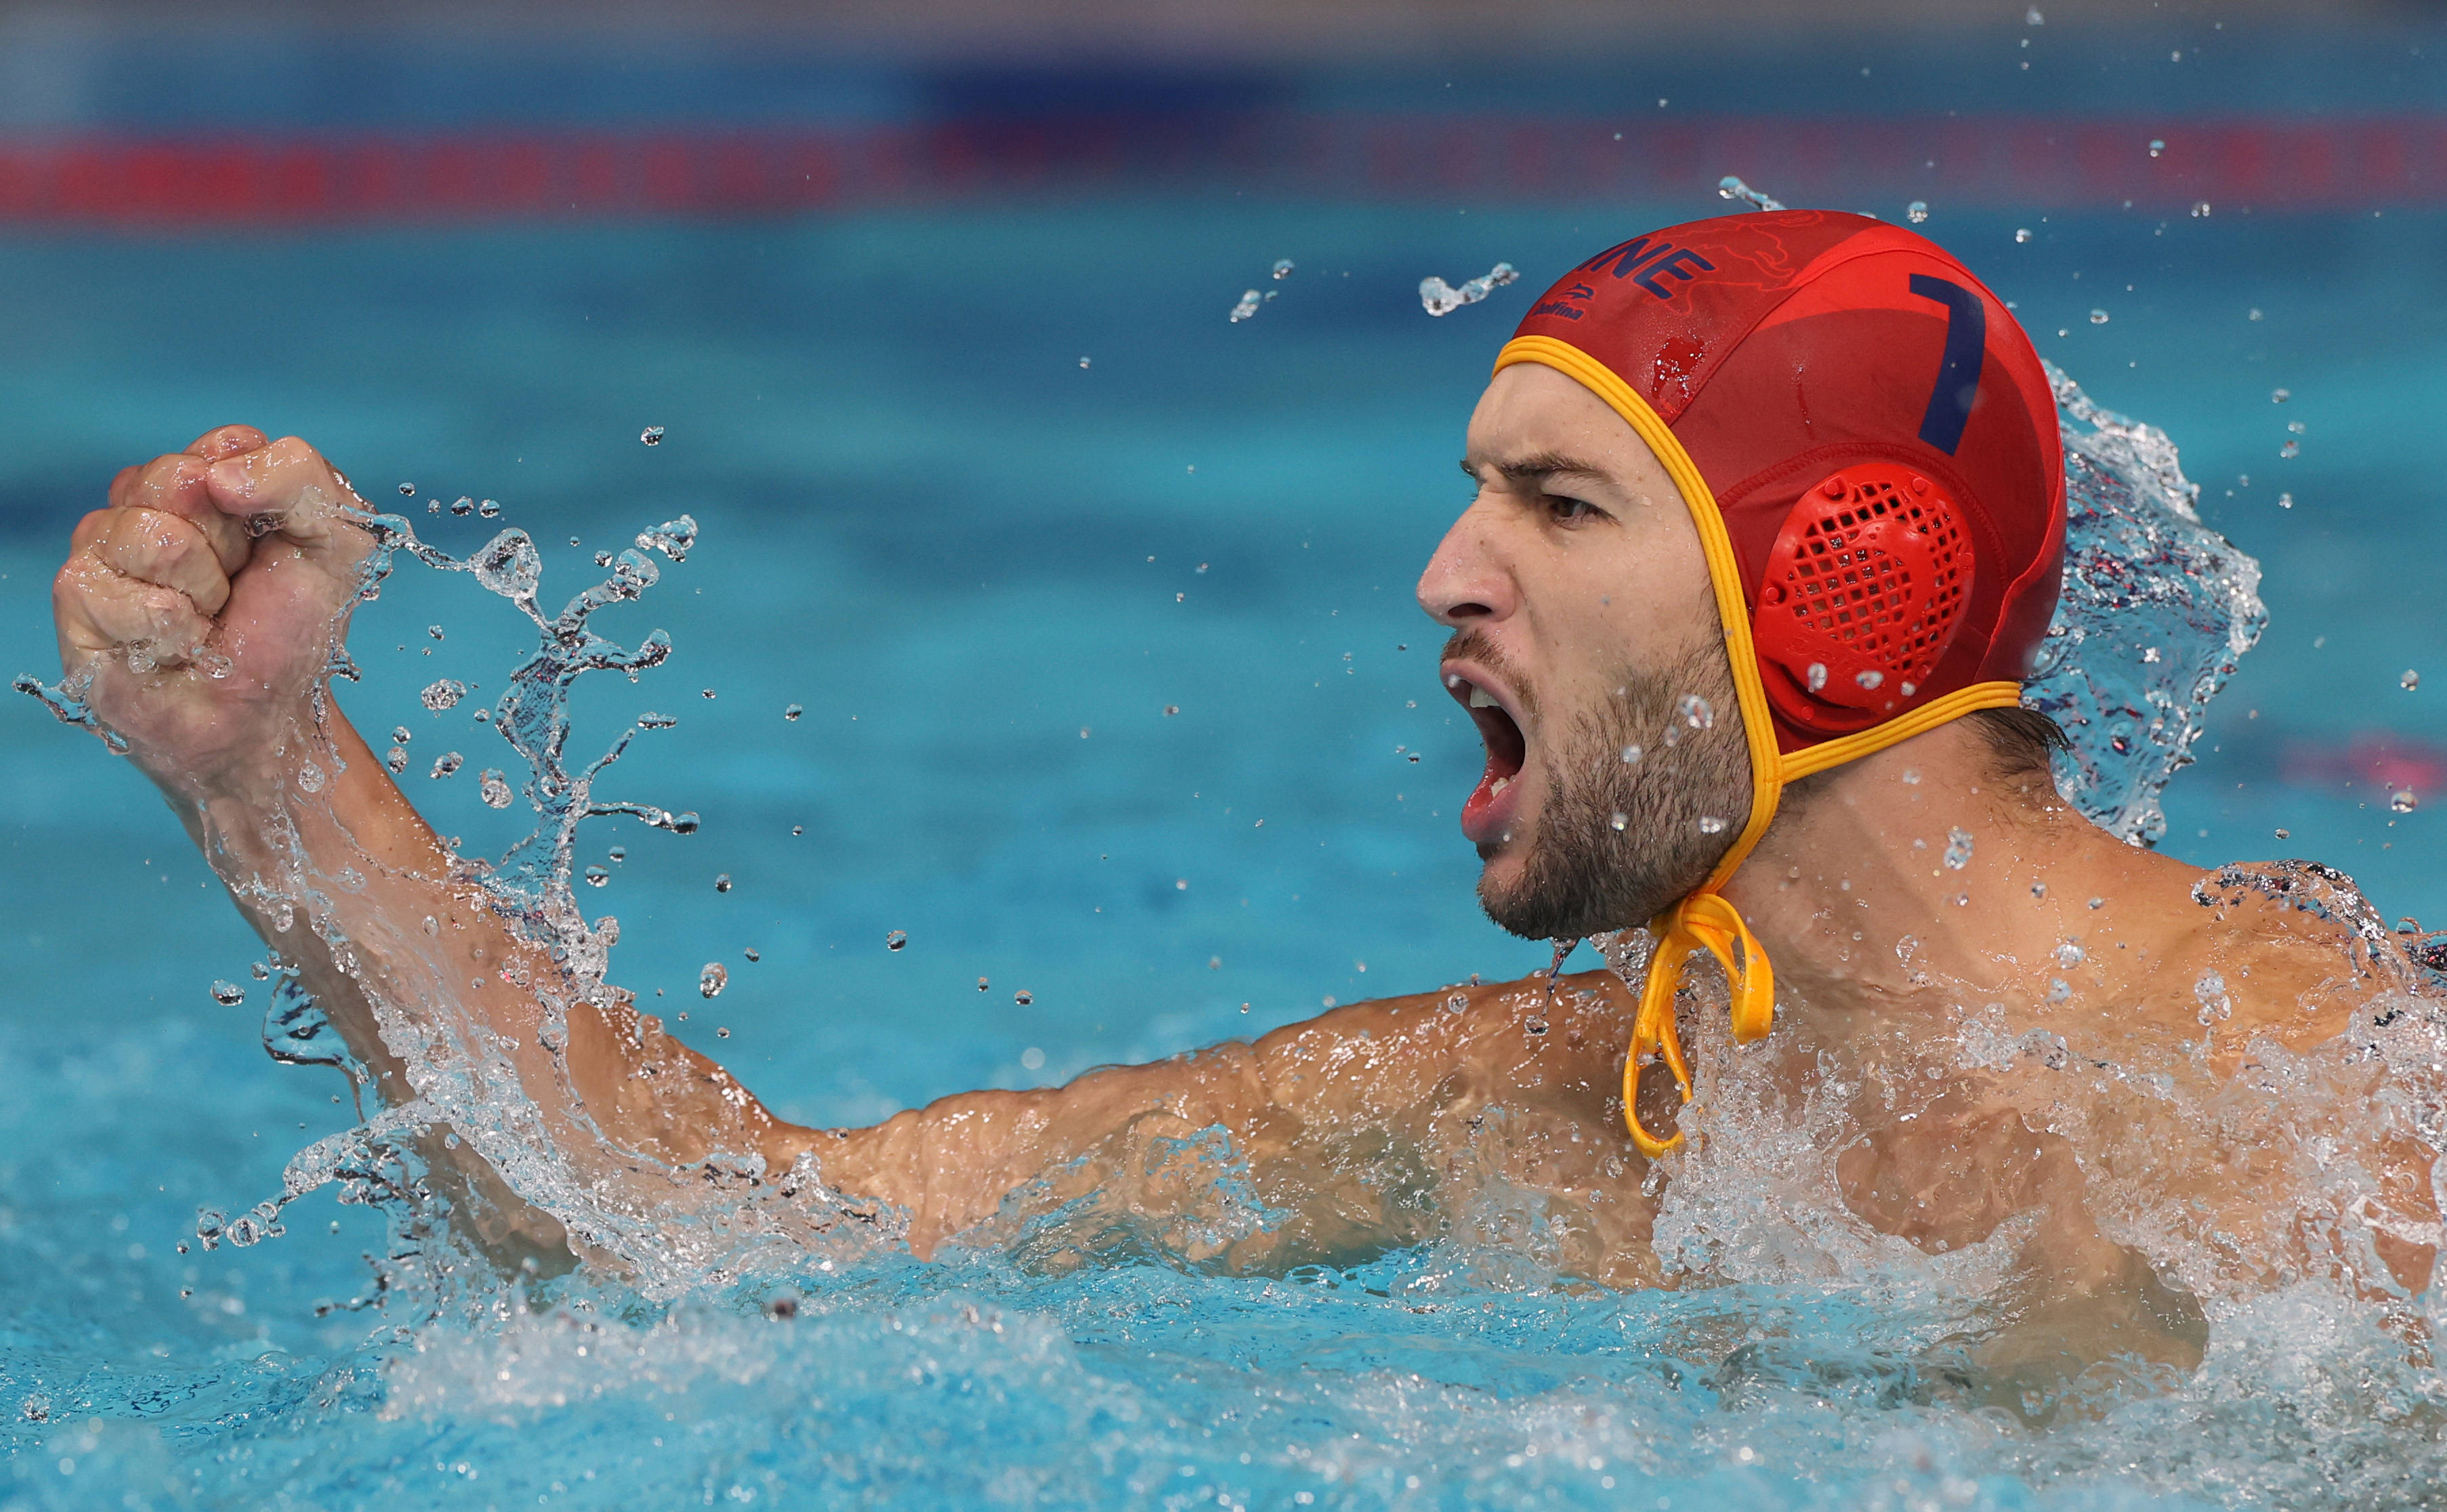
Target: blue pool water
{"type": "Point", "coordinates": [986, 571]}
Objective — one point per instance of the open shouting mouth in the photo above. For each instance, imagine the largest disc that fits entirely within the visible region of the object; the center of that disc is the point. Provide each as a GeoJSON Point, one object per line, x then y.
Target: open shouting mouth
{"type": "Point", "coordinates": [1486, 817]}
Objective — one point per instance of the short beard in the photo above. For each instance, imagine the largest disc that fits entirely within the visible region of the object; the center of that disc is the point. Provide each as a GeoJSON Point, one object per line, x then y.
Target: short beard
{"type": "Point", "coordinates": [1682, 806]}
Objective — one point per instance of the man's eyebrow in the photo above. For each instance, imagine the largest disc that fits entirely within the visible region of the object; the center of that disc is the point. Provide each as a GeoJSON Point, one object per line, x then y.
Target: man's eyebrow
{"type": "Point", "coordinates": [1538, 465]}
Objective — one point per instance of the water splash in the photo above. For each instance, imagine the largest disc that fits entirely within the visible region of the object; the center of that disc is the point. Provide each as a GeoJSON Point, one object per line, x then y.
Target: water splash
{"type": "Point", "coordinates": [2155, 613]}
{"type": "Point", "coordinates": [1441, 298]}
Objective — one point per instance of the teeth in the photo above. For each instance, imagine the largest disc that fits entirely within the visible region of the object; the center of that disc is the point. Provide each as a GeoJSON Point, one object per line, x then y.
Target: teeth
{"type": "Point", "coordinates": [1499, 786]}
{"type": "Point", "coordinates": [1480, 698]}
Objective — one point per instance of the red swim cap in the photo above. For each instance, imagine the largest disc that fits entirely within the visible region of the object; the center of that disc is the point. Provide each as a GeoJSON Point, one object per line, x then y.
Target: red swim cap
{"type": "Point", "coordinates": [1868, 446]}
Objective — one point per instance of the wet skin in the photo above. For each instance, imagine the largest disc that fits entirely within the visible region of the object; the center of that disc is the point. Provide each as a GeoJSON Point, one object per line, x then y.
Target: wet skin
{"type": "Point", "coordinates": [1374, 1124]}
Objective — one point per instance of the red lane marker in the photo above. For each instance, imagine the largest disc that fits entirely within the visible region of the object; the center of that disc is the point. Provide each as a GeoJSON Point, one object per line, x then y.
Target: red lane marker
{"type": "Point", "coordinates": [2018, 162]}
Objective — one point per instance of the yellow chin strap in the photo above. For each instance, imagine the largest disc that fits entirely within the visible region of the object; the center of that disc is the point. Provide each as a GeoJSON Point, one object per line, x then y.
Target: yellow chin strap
{"type": "Point", "coordinates": [1705, 920]}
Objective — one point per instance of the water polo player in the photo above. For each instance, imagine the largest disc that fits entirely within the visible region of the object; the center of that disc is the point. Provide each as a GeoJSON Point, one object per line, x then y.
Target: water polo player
{"type": "Point", "coordinates": [1768, 524]}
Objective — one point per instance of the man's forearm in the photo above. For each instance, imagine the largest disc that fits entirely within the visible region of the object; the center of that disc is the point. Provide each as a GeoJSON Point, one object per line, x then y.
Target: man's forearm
{"type": "Point", "coordinates": [437, 995]}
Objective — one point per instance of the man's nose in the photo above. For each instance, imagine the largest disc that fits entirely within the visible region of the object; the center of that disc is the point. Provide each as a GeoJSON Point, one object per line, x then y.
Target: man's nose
{"type": "Point", "coordinates": [1466, 581]}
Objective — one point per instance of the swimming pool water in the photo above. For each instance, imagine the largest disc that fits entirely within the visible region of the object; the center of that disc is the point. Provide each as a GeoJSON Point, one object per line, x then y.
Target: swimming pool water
{"type": "Point", "coordinates": [978, 564]}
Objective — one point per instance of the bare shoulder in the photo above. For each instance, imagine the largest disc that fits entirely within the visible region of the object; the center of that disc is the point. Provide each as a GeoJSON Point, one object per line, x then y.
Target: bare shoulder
{"type": "Point", "coordinates": [2291, 948]}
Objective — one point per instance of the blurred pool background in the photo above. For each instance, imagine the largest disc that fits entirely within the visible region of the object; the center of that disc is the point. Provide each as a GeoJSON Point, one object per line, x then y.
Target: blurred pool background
{"type": "Point", "coordinates": [932, 308]}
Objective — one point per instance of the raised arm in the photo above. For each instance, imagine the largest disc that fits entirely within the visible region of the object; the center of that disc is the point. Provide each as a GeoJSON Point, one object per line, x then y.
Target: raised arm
{"type": "Point", "coordinates": [197, 616]}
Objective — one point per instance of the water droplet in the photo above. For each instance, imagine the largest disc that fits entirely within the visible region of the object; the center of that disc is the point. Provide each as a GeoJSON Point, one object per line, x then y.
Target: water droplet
{"type": "Point", "coordinates": [229, 995]}
{"type": "Point", "coordinates": [897, 940]}
{"type": "Point", "coordinates": [494, 789]}
{"type": "Point", "coordinates": [650, 720]}
{"type": "Point", "coordinates": [2057, 990]}
{"type": "Point", "coordinates": [722, 1031]}
{"type": "Point", "coordinates": [2284, 501]}
{"type": "Point", "coordinates": [2278, 396]}
{"type": "Point", "coordinates": [1958, 849]}
{"type": "Point", "coordinates": [2039, 889]}
{"type": "Point", "coordinates": [489, 508]}
{"type": "Point", "coordinates": [1695, 712]}
{"type": "Point", "coordinates": [260, 970]}
{"type": "Point", "coordinates": [2033, 18]}
{"type": "Point", "coordinates": [710, 981]}
{"type": "Point", "coordinates": [309, 778]}
{"type": "Point", "coordinates": [1631, 755]}
{"type": "Point", "coordinates": [722, 881]}
{"type": "Point", "coordinates": [1916, 212]}
{"type": "Point", "coordinates": [1815, 676]}
{"type": "Point", "coordinates": [2200, 210]}
{"type": "Point", "coordinates": [652, 435]}
{"type": "Point", "coordinates": [400, 735]}
{"type": "Point", "coordinates": [2291, 450]}
{"type": "Point", "coordinates": [2071, 954]}
{"type": "Point", "coordinates": [396, 758]}
{"type": "Point", "coordinates": [1711, 825]}
{"type": "Point", "coordinates": [2255, 314]}
{"type": "Point", "coordinates": [1023, 997]}
{"type": "Point", "coordinates": [2284, 834]}
{"type": "Point", "coordinates": [462, 507]}
{"type": "Point", "coordinates": [444, 694]}
{"type": "Point", "coordinates": [2410, 681]}
{"type": "Point", "coordinates": [2210, 993]}
{"type": "Point", "coordinates": [2404, 802]}
{"type": "Point", "coordinates": [1083, 363]}
{"type": "Point", "coordinates": [618, 853]}
{"type": "Point", "coordinates": [1282, 267]}
{"type": "Point", "coordinates": [446, 764]}
{"type": "Point", "coordinates": [2098, 317]}
{"type": "Point", "coordinates": [1731, 187]}
{"type": "Point", "coordinates": [1911, 777]}
{"type": "Point", "coordinates": [983, 984]}
{"type": "Point", "coordinates": [2021, 234]}
{"type": "Point", "coordinates": [2157, 148]}
{"type": "Point", "coordinates": [1441, 298]}
{"type": "Point", "coordinates": [508, 565]}
{"type": "Point", "coordinates": [793, 712]}
{"type": "Point", "coordinates": [1620, 820]}
{"type": "Point", "coordinates": [408, 490]}
{"type": "Point", "coordinates": [675, 538]}
{"type": "Point", "coordinates": [1869, 679]}
{"type": "Point", "coordinates": [1170, 709]}
{"type": "Point", "coordinates": [2296, 427]}
{"type": "Point", "coordinates": [1248, 307]}
{"type": "Point", "coordinates": [597, 875]}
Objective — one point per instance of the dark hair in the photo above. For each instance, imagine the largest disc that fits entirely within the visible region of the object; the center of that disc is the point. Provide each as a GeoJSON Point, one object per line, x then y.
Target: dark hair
{"type": "Point", "coordinates": [2020, 739]}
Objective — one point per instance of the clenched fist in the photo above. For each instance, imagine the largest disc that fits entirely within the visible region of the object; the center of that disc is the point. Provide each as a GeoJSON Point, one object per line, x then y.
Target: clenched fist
{"type": "Point", "coordinates": [203, 602]}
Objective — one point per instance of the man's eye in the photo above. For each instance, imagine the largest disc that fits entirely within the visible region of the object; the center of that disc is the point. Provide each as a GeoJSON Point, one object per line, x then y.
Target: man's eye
{"type": "Point", "coordinates": [1563, 508]}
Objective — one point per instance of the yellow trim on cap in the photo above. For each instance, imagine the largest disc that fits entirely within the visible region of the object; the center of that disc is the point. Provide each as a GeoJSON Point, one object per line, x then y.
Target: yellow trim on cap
{"type": "Point", "coordinates": [1706, 920]}
{"type": "Point", "coordinates": [1813, 759]}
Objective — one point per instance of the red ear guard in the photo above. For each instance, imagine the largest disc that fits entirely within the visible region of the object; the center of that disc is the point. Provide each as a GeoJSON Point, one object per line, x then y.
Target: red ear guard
{"type": "Point", "coordinates": [1865, 588]}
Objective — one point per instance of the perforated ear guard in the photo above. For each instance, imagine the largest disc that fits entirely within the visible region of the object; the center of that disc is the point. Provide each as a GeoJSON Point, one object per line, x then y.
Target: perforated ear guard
{"type": "Point", "coordinates": [1865, 588]}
